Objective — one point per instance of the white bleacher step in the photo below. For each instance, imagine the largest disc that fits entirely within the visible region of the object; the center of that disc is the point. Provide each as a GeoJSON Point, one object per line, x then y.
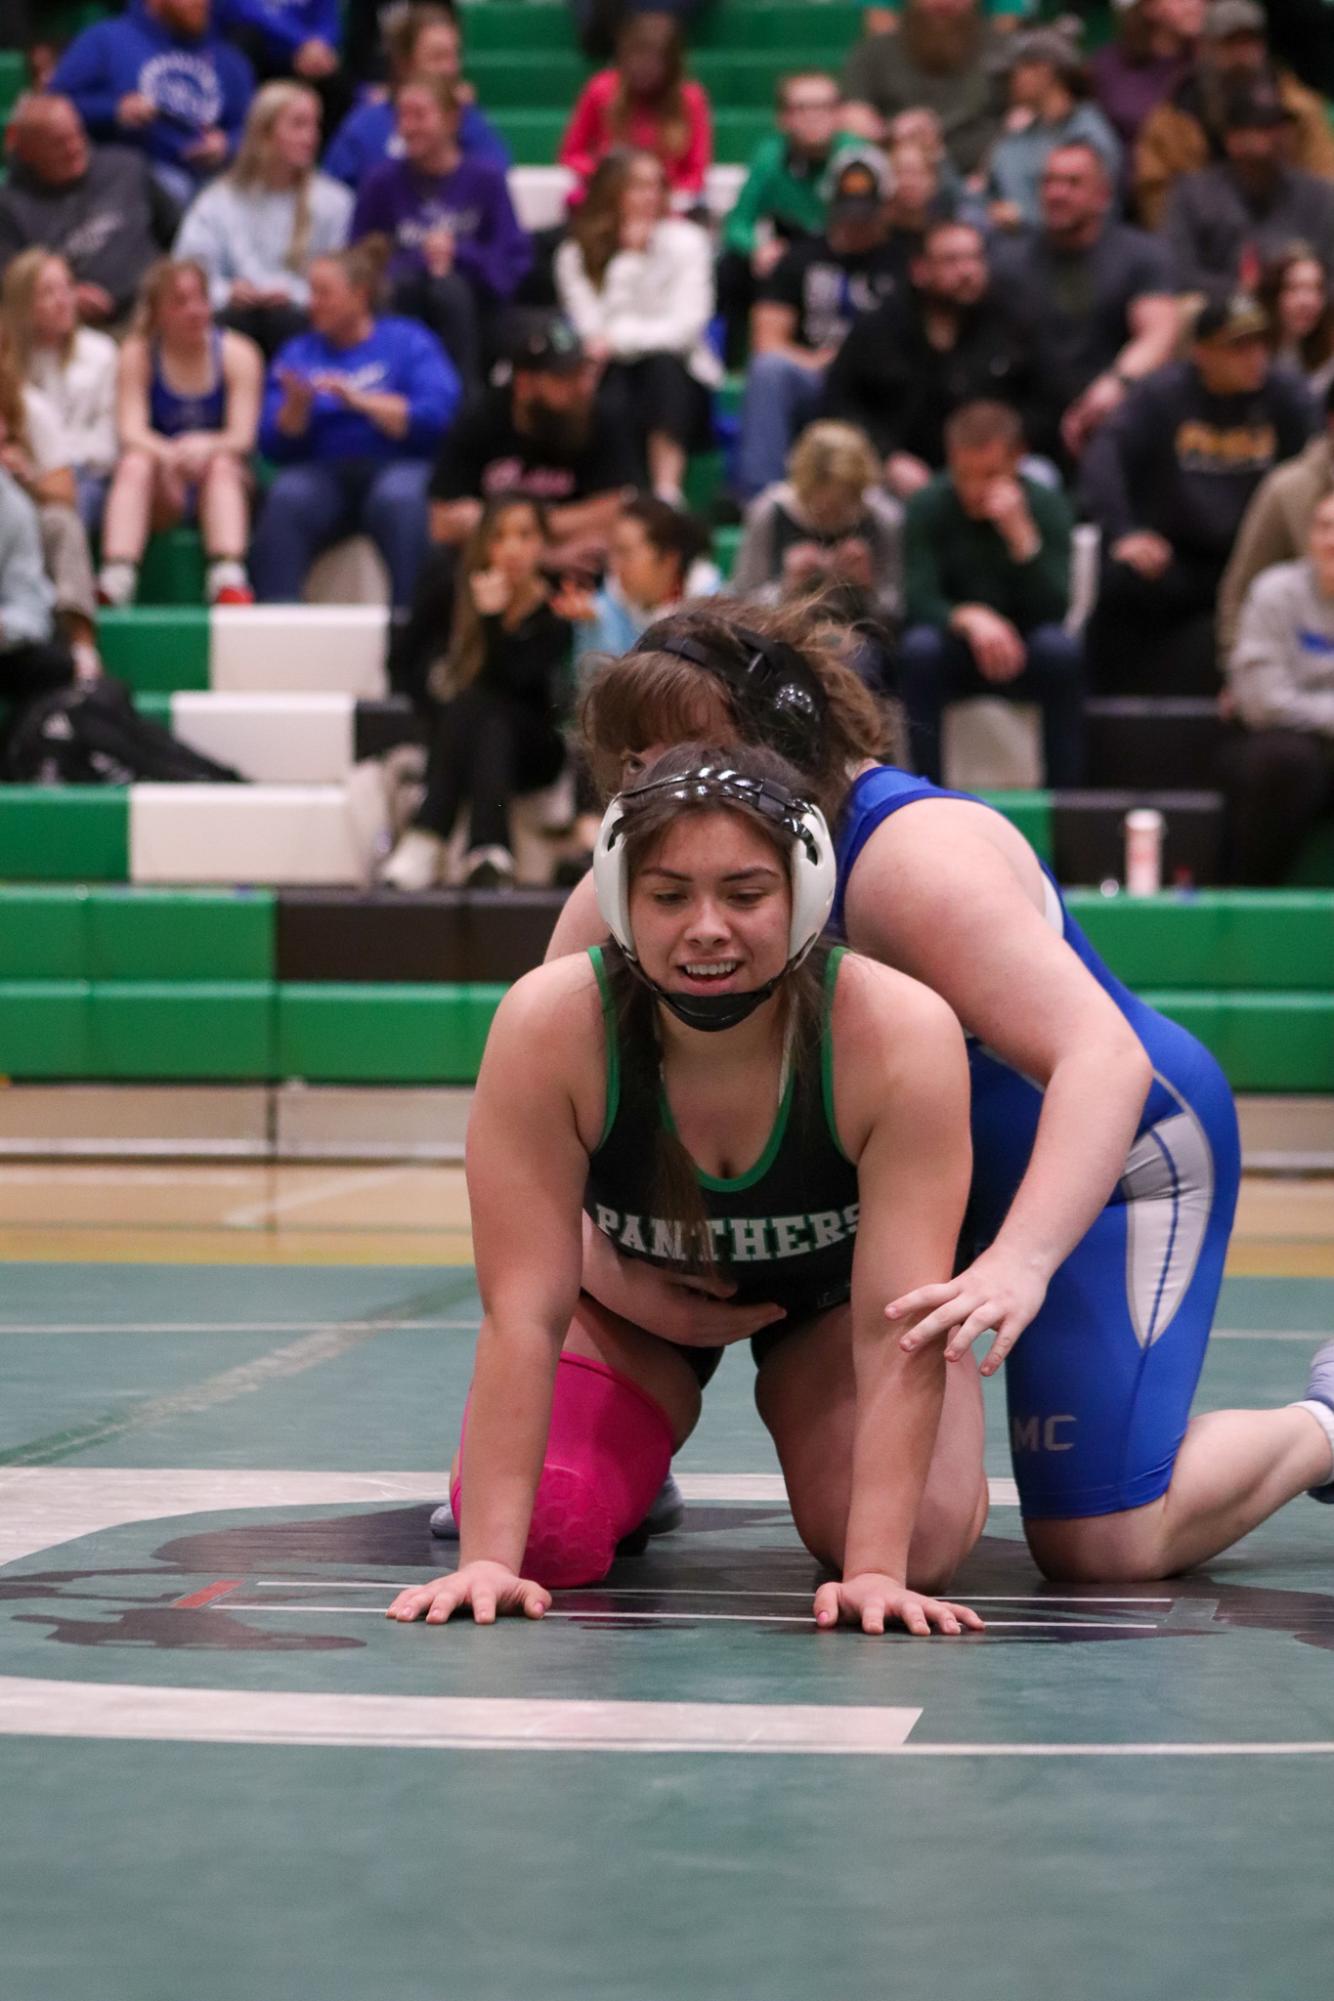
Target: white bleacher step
{"type": "Point", "coordinates": [284, 739]}
{"type": "Point", "coordinates": [540, 194]}
{"type": "Point", "coordinates": [253, 834]}
{"type": "Point", "coordinates": [298, 649]}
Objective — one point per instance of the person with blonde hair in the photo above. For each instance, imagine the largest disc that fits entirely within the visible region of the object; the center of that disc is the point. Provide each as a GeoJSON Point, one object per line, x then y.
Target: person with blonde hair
{"type": "Point", "coordinates": [256, 230]}
{"type": "Point", "coordinates": [187, 408]}
{"type": "Point", "coordinates": [71, 367]}
{"type": "Point", "coordinates": [35, 454]}
{"type": "Point", "coordinates": [829, 530]}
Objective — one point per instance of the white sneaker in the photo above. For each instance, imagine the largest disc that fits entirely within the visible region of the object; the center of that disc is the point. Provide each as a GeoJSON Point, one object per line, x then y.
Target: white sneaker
{"type": "Point", "coordinates": [489, 868]}
{"type": "Point", "coordinates": [418, 862]}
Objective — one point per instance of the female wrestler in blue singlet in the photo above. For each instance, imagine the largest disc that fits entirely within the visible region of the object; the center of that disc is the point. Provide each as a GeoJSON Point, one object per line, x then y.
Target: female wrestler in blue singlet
{"type": "Point", "coordinates": [1106, 1158]}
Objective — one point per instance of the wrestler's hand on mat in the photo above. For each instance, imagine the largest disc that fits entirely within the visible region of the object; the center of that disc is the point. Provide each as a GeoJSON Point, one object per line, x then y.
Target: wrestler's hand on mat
{"type": "Point", "coordinates": [875, 1600]}
{"type": "Point", "coordinates": [488, 1590]}
{"type": "Point", "coordinates": [999, 1292]}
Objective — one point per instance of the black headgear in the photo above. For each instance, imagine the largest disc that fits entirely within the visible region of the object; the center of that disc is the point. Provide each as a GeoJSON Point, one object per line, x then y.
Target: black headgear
{"type": "Point", "coordinates": [781, 701]}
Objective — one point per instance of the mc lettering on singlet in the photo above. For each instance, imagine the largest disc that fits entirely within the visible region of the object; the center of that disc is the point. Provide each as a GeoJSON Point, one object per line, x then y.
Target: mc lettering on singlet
{"type": "Point", "coordinates": [1038, 1434]}
{"type": "Point", "coordinates": [736, 1240]}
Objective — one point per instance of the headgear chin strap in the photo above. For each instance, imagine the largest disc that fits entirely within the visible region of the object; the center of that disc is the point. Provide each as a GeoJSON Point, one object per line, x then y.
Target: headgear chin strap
{"type": "Point", "coordinates": [780, 700]}
{"type": "Point", "coordinates": [812, 866]}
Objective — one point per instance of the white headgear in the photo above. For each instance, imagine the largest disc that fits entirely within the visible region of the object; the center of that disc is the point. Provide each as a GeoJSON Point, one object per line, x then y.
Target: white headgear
{"type": "Point", "coordinates": [813, 867]}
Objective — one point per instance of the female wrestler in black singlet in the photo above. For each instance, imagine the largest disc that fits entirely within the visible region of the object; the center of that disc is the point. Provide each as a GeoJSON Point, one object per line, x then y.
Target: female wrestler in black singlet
{"type": "Point", "coordinates": [721, 1097]}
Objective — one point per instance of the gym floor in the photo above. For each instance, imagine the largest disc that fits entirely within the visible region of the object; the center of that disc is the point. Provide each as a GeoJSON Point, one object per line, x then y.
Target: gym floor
{"type": "Point", "coordinates": [230, 1394]}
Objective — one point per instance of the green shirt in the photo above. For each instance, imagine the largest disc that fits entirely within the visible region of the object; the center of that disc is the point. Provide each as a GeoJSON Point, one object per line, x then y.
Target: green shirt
{"type": "Point", "coordinates": [950, 559]}
{"type": "Point", "coordinates": [777, 190]}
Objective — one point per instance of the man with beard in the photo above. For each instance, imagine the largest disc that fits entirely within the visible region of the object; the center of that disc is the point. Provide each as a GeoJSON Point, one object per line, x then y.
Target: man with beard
{"type": "Point", "coordinates": [550, 434]}
{"type": "Point", "coordinates": [1224, 223]}
{"type": "Point", "coordinates": [947, 341]}
{"type": "Point", "coordinates": [1186, 133]}
{"type": "Point", "coordinates": [1097, 297]}
{"type": "Point", "coordinates": [943, 58]}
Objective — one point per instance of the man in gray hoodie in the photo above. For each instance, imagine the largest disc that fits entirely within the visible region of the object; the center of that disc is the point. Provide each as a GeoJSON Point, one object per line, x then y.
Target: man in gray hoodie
{"type": "Point", "coordinates": [98, 208]}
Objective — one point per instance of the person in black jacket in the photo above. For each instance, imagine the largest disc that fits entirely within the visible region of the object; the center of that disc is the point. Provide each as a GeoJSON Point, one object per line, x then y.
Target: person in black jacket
{"type": "Point", "coordinates": [1167, 479]}
{"type": "Point", "coordinates": [906, 365]}
{"type": "Point", "coordinates": [496, 728]}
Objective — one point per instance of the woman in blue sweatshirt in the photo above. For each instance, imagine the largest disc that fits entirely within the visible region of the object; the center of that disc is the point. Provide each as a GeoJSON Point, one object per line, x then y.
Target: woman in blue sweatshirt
{"type": "Point", "coordinates": [353, 413]}
{"type": "Point", "coordinates": [159, 78]}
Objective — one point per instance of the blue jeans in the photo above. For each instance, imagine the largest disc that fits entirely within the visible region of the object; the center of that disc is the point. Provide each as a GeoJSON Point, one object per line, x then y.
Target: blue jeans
{"type": "Point", "coordinates": [936, 667]}
{"type": "Point", "coordinates": [310, 507]}
{"type": "Point", "coordinates": [92, 499]}
{"type": "Point", "coordinates": [781, 399]}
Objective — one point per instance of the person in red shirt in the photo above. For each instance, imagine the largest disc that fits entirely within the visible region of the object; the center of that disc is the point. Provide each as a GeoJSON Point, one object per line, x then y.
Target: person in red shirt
{"type": "Point", "coordinates": [644, 102]}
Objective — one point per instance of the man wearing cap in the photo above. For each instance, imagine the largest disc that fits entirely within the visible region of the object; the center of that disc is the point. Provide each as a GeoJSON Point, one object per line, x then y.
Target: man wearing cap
{"type": "Point", "coordinates": [1049, 107]}
{"type": "Point", "coordinates": [1167, 480]}
{"type": "Point", "coordinates": [1225, 222]}
{"type": "Point", "coordinates": [1186, 133]}
{"type": "Point", "coordinates": [549, 433]}
{"type": "Point", "coordinates": [804, 310]}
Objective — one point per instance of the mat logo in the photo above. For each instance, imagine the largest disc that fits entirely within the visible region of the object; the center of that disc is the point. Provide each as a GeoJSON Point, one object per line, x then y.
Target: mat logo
{"type": "Point", "coordinates": [737, 1240]}
{"type": "Point", "coordinates": [1038, 1434]}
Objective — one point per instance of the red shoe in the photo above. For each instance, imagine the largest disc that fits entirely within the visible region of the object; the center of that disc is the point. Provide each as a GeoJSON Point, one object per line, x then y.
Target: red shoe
{"type": "Point", "coordinates": [235, 594]}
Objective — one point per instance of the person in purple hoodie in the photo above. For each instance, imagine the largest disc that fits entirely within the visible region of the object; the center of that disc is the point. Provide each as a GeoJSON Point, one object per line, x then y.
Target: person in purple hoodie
{"type": "Point", "coordinates": [160, 78]}
{"type": "Point", "coordinates": [457, 249]}
{"type": "Point", "coordinates": [421, 38]}
{"type": "Point", "coordinates": [293, 38]}
{"type": "Point", "coordinates": [353, 413]}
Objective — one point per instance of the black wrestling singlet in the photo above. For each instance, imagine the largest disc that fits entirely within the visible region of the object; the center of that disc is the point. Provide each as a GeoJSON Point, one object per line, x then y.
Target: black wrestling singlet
{"type": "Point", "coordinates": [783, 1231]}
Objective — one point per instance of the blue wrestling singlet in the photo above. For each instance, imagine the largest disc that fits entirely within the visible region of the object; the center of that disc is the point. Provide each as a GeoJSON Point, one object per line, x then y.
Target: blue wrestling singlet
{"type": "Point", "coordinates": [1100, 1384]}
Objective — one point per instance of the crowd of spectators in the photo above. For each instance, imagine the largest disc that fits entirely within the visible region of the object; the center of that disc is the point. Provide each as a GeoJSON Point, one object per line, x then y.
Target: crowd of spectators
{"type": "Point", "coordinates": [262, 269]}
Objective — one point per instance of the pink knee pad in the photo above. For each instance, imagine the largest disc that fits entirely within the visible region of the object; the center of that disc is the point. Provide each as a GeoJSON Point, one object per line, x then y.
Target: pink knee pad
{"type": "Point", "coordinates": [608, 1452]}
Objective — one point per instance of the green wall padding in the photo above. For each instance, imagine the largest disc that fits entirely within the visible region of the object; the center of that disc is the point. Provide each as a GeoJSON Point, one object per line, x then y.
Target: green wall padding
{"type": "Point", "coordinates": [43, 932]}
{"type": "Point", "coordinates": [79, 833]}
{"type": "Point", "coordinates": [1257, 940]}
{"type": "Point", "coordinates": [383, 1034]}
{"type": "Point", "coordinates": [165, 935]}
{"type": "Point", "coordinates": [210, 1031]}
{"type": "Point", "coordinates": [157, 648]}
{"type": "Point", "coordinates": [45, 1028]}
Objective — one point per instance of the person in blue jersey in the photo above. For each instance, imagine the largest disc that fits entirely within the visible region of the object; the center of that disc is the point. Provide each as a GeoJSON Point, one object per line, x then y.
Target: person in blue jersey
{"type": "Point", "coordinates": [1105, 1149]}
{"type": "Point", "coordinates": [420, 40]}
{"type": "Point", "coordinates": [187, 407]}
{"type": "Point", "coordinates": [353, 413]}
{"type": "Point", "coordinates": [726, 1101]}
{"type": "Point", "coordinates": [159, 77]}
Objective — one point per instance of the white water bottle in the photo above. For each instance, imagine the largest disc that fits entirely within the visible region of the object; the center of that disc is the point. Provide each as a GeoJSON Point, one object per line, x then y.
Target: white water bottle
{"type": "Point", "coordinates": [1144, 851]}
